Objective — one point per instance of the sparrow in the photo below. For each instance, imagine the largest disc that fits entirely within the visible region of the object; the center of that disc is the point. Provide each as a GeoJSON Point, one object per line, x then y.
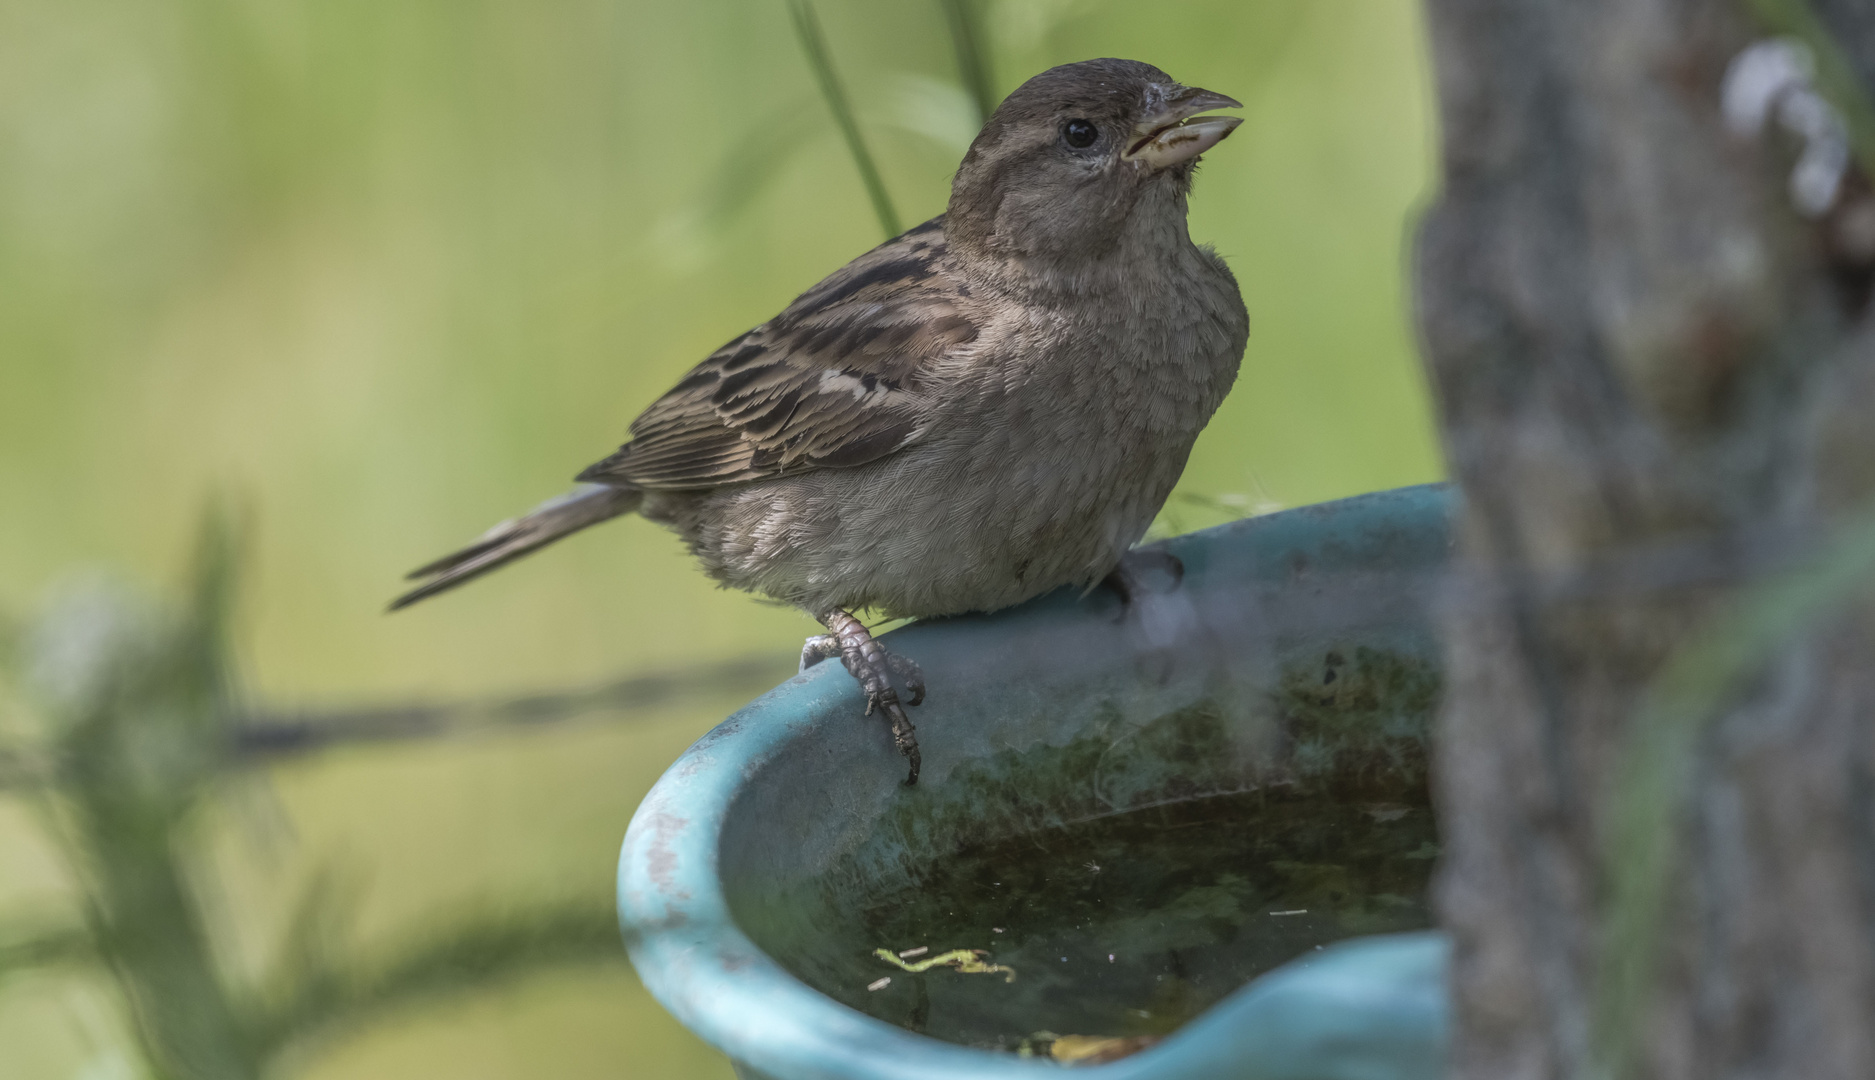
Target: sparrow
{"type": "Point", "coordinates": [988, 407]}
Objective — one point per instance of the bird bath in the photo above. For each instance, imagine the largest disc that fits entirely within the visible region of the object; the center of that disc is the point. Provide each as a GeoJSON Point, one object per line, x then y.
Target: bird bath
{"type": "Point", "coordinates": [1195, 833]}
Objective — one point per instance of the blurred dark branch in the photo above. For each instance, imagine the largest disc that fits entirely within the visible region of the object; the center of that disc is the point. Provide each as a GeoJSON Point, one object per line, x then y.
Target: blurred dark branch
{"type": "Point", "coordinates": [263, 734]}
{"type": "Point", "coordinates": [814, 46]}
{"type": "Point", "coordinates": [970, 42]}
{"type": "Point", "coordinates": [258, 736]}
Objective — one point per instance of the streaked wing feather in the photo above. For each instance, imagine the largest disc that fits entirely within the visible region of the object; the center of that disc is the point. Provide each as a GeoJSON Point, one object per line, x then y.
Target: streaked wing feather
{"type": "Point", "coordinates": [836, 380]}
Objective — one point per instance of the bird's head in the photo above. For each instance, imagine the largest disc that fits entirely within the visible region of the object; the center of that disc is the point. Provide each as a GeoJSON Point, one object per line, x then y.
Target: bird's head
{"type": "Point", "coordinates": [1069, 161]}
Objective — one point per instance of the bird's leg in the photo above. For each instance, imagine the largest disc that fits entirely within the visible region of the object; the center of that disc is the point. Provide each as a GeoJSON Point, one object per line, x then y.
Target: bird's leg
{"type": "Point", "coordinates": [868, 662]}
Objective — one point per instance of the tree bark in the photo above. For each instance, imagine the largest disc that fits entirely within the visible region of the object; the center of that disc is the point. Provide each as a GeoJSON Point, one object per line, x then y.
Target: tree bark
{"type": "Point", "coordinates": [1656, 384]}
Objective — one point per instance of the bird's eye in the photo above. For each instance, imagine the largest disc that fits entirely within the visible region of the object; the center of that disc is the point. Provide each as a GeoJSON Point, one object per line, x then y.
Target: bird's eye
{"type": "Point", "coordinates": [1080, 134]}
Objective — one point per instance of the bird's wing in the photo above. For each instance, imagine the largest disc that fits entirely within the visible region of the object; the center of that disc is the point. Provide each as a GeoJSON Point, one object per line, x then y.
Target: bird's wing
{"type": "Point", "coordinates": [838, 379]}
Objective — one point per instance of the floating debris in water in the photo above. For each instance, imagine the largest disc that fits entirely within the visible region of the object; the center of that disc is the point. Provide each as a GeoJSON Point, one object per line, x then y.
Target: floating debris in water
{"type": "Point", "coordinates": [1036, 1044]}
{"type": "Point", "coordinates": [907, 954]}
{"type": "Point", "coordinates": [1097, 1049]}
{"type": "Point", "coordinates": [879, 984]}
{"type": "Point", "coordinates": [966, 961]}
{"type": "Point", "coordinates": [1083, 1049]}
{"type": "Point", "coordinates": [1187, 892]}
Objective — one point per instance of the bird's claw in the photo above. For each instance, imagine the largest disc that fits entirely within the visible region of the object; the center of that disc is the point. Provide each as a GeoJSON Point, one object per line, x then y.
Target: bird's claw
{"type": "Point", "coordinates": [868, 662]}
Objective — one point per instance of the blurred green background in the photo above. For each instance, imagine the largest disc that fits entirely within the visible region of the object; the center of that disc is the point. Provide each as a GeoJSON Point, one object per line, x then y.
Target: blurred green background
{"type": "Point", "coordinates": [386, 271]}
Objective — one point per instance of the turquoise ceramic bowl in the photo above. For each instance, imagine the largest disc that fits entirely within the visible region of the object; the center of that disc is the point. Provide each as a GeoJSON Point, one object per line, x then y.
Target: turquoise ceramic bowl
{"type": "Point", "coordinates": [742, 868]}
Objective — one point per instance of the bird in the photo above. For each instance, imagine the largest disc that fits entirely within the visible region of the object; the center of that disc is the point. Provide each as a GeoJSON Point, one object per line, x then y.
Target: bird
{"type": "Point", "coordinates": [992, 405]}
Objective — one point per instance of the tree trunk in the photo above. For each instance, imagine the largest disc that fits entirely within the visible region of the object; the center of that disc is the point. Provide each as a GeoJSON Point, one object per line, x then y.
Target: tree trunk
{"type": "Point", "coordinates": [1657, 385]}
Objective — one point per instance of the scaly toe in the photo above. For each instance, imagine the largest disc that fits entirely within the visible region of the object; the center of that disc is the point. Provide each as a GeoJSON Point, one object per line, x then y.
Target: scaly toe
{"type": "Point", "coordinates": [906, 739]}
{"type": "Point", "coordinates": [819, 647]}
{"type": "Point", "coordinates": [908, 670]}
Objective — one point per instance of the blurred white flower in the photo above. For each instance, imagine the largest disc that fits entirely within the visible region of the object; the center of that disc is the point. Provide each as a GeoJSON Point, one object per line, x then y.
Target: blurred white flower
{"type": "Point", "coordinates": [76, 652]}
{"type": "Point", "coordinates": [1773, 79]}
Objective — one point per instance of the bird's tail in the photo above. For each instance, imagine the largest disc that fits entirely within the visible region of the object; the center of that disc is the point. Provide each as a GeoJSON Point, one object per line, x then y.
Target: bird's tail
{"type": "Point", "coordinates": [588, 504]}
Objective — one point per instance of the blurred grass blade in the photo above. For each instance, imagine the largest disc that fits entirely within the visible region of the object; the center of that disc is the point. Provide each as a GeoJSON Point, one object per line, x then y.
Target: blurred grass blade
{"type": "Point", "coordinates": [814, 45]}
{"type": "Point", "coordinates": [970, 42]}
{"type": "Point", "coordinates": [474, 955]}
{"type": "Point", "coordinates": [1656, 769]}
{"type": "Point", "coordinates": [753, 161]}
{"type": "Point", "coordinates": [207, 644]}
{"type": "Point", "coordinates": [23, 768]}
{"type": "Point", "coordinates": [306, 967]}
{"type": "Point", "coordinates": [216, 570]}
{"type": "Point", "coordinates": [64, 946]}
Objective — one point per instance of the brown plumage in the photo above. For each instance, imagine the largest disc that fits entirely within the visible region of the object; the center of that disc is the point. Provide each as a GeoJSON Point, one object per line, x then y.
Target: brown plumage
{"type": "Point", "coordinates": [990, 406]}
{"type": "Point", "coordinates": [831, 382]}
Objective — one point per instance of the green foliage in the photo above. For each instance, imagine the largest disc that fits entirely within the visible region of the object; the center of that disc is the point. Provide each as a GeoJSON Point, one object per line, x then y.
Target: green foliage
{"type": "Point", "coordinates": [143, 733]}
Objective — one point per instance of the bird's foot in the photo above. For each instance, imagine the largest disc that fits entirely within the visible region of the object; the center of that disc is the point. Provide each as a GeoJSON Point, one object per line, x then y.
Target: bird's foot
{"type": "Point", "coordinates": [868, 662]}
{"type": "Point", "coordinates": [1156, 616]}
{"type": "Point", "coordinates": [1144, 571]}
{"type": "Point", "coordinates": [826, 647]}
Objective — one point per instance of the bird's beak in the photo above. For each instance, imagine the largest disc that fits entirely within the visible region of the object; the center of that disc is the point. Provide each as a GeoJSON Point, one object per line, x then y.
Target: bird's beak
{"type": "Point", "coordinates": [1173, 132]}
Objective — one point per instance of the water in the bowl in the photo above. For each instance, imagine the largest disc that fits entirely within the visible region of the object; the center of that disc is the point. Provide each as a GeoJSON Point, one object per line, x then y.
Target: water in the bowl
{"type": "Point", "coordinates": [1131, 876]}
{"type": "Point", "coordinates": [1131, 924]}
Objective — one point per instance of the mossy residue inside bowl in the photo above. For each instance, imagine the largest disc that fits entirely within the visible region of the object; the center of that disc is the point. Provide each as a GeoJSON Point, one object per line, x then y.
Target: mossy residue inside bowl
{"type": "Point", "coordinates": [1130, 919]}
{"type": "Point", "coordinates": [1134, 923]}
